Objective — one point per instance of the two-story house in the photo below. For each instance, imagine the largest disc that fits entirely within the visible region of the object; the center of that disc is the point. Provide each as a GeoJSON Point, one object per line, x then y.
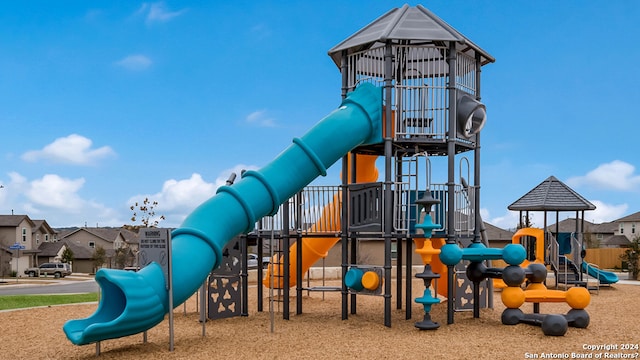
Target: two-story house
{"type": "Point", "coordinates": [629, 226]}
{"type": "Point", "coordinates": [115, 241]}
{"type": "Point", "coordinates": [601, 235]}
{"type": "Point", "coordinates": [27, 234]}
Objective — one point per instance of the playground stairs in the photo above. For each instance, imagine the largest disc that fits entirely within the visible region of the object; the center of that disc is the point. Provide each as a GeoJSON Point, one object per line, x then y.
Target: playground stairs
{"type": "Point", "coordinates": [567, 276]}
{"type": "Point", "coordinates": [565, 270]}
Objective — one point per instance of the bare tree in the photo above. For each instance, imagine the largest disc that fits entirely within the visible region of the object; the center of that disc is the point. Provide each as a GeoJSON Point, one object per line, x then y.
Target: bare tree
{"type": "Point", "coordinates": [145, 213]}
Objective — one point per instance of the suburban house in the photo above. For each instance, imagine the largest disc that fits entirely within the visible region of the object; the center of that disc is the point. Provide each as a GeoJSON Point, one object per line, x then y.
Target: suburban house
{"type": "Point", "coordinates": [604, 235]}
{"type": "Point", "coordinates": [53, 252]}
{"type": "Point", "coordinates": [115, 241]}
{"type": "Point", "coordinates": [25, 233]}
{"type": "Point", "coordinates": [38, 243]}
{"type": "Point", "coordinates": [629, 226]}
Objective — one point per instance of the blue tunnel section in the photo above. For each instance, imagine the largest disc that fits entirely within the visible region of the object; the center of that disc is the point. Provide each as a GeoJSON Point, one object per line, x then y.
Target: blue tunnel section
{"type": "Point", "coordinates": [134, 302]}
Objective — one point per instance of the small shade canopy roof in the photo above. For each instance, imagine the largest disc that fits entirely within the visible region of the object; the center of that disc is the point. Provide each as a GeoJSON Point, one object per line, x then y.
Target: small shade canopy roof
{"type": "Point", "coordinates": [551, 195]}
{"type": "Point", "coordinates": [412, 25]}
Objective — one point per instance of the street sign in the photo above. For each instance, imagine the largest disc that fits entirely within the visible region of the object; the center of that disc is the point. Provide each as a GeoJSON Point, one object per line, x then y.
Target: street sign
{"type": "Point", "coordinates": [17, 246]}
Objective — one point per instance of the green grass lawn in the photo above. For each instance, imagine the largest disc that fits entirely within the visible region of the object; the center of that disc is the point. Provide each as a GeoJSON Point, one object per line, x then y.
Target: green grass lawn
{"type": "Point", "coordinates": [26, 301]}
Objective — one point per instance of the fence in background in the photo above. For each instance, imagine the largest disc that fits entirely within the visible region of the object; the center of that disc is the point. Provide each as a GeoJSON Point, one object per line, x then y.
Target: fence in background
{"type": "Point", "coordinates": [605, 258]}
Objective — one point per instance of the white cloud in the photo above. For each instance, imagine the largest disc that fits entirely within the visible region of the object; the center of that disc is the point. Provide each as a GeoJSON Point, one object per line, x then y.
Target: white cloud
{"type": "Point", "coordinates": [178, 198]}
{"type": "Point", "coordinates": [158, 12]}
{"type": "Point", "coordinates": [187, 193]}
{"type": "Point", "coordinates": [57, 200]}
{"type": "Point", "coordinates": [56, 192]}
{"type": "Point", "coordinates": [616, 175]}
{"type": "Point", "coordinates": [605, 212]}
{"type": "Point", "coordinates": [224, 174]}
{"type": "Point", "coordinates": [73, 149]}
{"type": "Point", "coordinates": [260, 118]}
{"type": "Point", "coordinates": [507, 221]}
{"type": "Point", "coordinates": [135, 62]}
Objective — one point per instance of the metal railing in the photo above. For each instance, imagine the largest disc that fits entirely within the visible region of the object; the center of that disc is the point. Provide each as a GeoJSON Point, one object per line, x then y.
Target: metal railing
{"type": "Point", "coordinates": [316, 210]}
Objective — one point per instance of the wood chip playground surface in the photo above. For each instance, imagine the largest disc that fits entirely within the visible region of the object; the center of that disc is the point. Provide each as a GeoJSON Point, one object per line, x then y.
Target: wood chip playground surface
{"type": "Point", "coordinates": [319, 333]}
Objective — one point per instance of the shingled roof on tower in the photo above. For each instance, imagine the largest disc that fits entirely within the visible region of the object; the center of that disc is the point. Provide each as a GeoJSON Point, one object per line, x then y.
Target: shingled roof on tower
{"type": "Point", "coordinates": [551, 195]}
{"type": "Point", "coordinates": [412, 25]}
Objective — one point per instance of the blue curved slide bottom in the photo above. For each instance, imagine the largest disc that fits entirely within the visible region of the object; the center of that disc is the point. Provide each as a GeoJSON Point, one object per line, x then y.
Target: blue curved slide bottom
{"type": "Point", "coordinates": [134, 302]}
{"type": "Point", "coordinates": [605, 277]}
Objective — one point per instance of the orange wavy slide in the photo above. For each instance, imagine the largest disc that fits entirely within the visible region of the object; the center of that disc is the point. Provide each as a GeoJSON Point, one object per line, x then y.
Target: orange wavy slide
{"type": "Point", "coordinates": [315, 248]}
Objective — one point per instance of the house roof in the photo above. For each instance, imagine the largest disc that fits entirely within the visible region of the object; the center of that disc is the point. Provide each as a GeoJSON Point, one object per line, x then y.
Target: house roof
{"type": "Point", "coordinates": [630, 218]}
{"type": "Point", "coordinates": [495, 233]}
{"type": "Point", "coordinates": [605, 228]}
{"type": "Point", "coordinates": [42, 224]}
{"type": "Point", "coordinates": [107, 234]}
{"type": "Point", "coordinates": [50, 248]}
{"type": "Point", "coordinates": [617, 240]}
{"type": "Point", "coordinates": [569, 225]}
{"type": "Point", "coordinates": [53, 248]}
{"type": "Point", "coordinates": [13, 220]}
{"type": "Point", "coordinates": [412, 25]}
{"type": "Point", "coordinates": [79, 252]}
{"type": "Point", "coordinates": [551, 195]}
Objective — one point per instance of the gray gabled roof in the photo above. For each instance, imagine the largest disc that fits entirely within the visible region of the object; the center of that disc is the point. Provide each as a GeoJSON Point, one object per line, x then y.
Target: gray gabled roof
{"type": "Point", "coordinates": [415, 24]}
{"type": "Point", "coordinates": [551, 195]}
{"type": "Point", "coordinates": [51, 249]}
{"type": "Point", "coordinates": [43, 225]}
{"type": "Point", "coordinates": [106, 234]}
{"type": "Point", "coordinates": [570, 225]}
{"type": "Point", "coordinates": [630, 218]}
{"type": "Point", "coordinates": [496, 233]}
{"type": "Point", "coordinates": [605, 228]}
{"type": "Point", "coordinates": [13, 220]}
{"type": "Point", "coordinates": [617, 240]}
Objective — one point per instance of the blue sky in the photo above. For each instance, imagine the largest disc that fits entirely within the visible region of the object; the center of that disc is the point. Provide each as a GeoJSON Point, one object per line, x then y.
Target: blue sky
{"type": "Point", "coordinates": [103, 103]}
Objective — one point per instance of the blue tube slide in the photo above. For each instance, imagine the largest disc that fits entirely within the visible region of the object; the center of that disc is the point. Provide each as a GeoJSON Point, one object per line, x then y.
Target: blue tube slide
{"type": "Point", "coordinates": [605, 277]}
{"type": "Point", "coordinates": [134, 302]}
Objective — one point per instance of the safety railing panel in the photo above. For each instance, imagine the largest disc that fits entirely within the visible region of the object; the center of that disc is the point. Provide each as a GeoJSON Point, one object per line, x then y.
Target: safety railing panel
{"type": "Point", "coordinates": [366, 207]}
{"type": "Point", "coordinates": [421, 97]}
{"type": "Point", "coordinates": [317, 210]}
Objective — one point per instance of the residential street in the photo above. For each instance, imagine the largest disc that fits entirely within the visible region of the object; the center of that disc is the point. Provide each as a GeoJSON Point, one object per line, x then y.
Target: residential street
{"type": "Point", "coordinates": [68, 285]}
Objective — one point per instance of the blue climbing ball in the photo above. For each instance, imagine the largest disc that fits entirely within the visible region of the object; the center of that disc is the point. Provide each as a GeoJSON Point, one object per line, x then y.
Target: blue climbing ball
{"type": "Point", "coordinates": [514, 254]}
{"type": "Point", "coordinates": [450, 254]}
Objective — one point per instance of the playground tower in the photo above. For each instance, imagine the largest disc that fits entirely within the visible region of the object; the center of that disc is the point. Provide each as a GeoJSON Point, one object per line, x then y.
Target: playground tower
{"type": "Point", "coordinates": [430, 74]}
